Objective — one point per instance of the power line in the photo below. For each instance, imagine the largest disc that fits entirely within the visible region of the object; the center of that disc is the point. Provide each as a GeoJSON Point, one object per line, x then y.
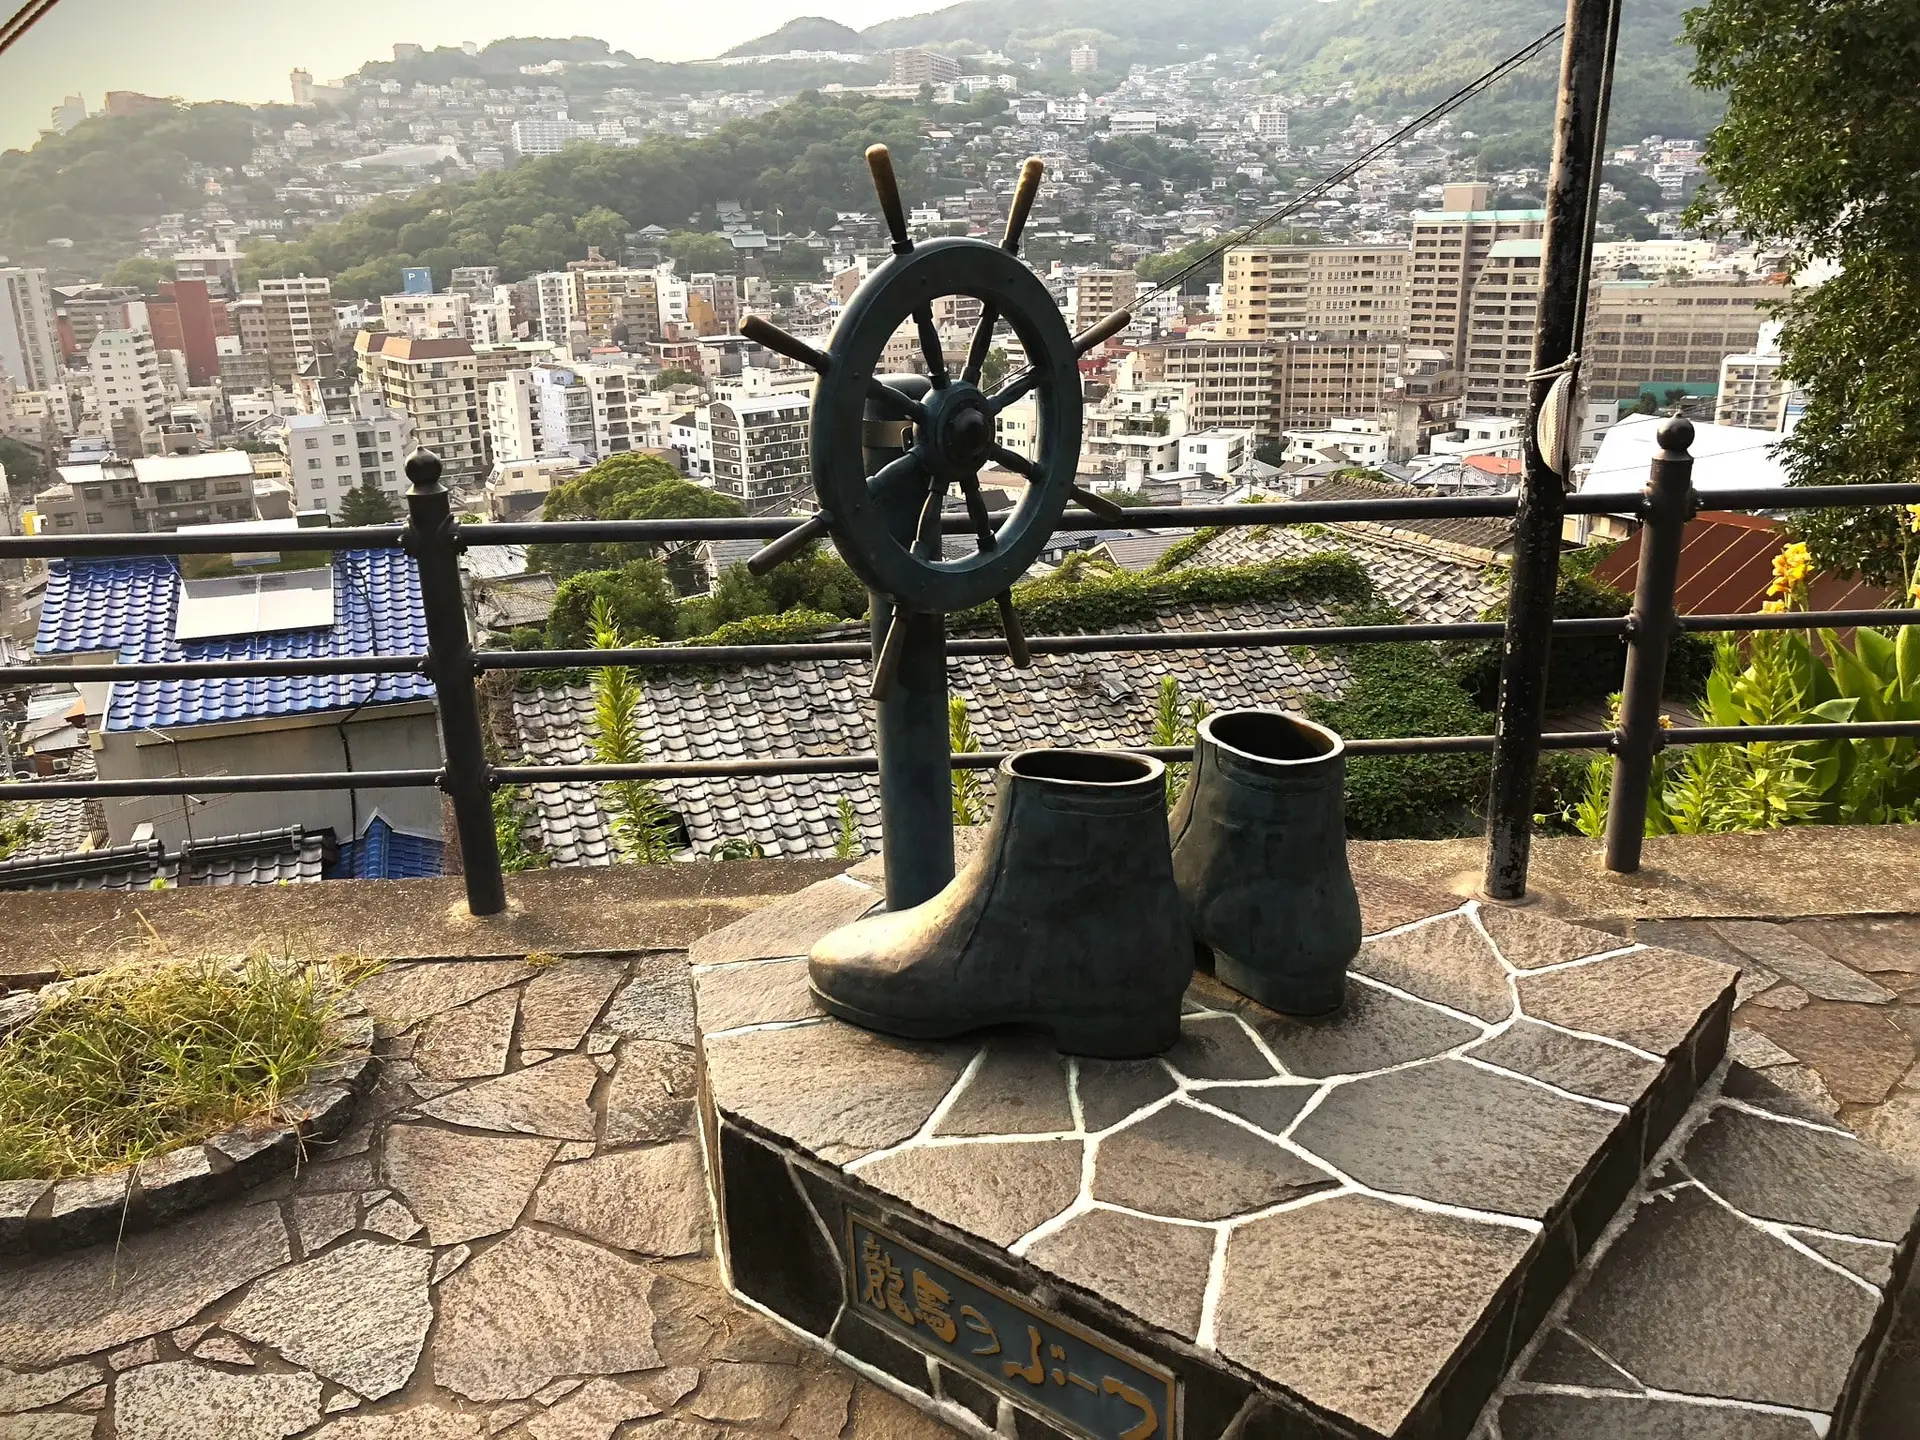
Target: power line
{"type": "Point", "coordinates": [22, 20]}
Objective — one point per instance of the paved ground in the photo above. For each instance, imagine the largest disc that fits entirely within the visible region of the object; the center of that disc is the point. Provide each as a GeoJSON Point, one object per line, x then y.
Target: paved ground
{"type": "Point", "coordinates": [513, 1239]}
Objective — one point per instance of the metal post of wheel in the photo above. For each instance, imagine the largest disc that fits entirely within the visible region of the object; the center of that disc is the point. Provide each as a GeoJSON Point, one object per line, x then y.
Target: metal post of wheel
{"type": "Point", "coordinates": [886, 451]}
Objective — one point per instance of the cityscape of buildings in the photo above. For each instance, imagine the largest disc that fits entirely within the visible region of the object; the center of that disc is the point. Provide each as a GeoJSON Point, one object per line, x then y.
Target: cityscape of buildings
{"type": "Point", "coordinates": [1386, 328]}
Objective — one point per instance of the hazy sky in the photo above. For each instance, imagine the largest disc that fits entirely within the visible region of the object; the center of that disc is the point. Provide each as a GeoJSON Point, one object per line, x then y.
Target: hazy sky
{"type": "Point", "coordinates": [243, 49]}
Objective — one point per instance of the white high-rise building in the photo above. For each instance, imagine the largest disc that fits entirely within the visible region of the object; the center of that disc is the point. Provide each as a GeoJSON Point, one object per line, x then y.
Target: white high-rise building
{"type": "Point", "coordinates": [559, 303]}
{"type": "Point", "coordinates": [491, 320]}
{"type": "Point", "coordinates": [584, 410]}
{"type": "Point", "coordinates": [331, 456]}
{"type": "Point", "coordinates": [513, 418]}
{"type": "Point", "coordinates": [428, 317]}
{"type": "Point", "coordinates": [124, 371]}
{"type": "Point", "coordinates": [548, 137]}
{"type": "Point", "coordinates": [29, 353]}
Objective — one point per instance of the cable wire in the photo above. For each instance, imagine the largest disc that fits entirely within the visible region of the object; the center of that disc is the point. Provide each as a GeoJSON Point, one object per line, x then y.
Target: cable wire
{"type": "Point", "coordinates": [1444, 108]}
{"type": "Point", "coordinates": [21, 21]}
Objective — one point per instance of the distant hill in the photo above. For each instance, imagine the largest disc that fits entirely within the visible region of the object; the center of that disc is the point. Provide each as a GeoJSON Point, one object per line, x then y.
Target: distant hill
{"type": "Point", "coordinates": [808, 32]}
{"type": "Point", "coordinates": [1399, 55]}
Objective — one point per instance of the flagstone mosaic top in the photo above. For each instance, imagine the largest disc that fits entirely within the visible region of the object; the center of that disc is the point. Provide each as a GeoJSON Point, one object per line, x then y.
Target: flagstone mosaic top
{"type": "Point", "coordinates": [1367, 1216]}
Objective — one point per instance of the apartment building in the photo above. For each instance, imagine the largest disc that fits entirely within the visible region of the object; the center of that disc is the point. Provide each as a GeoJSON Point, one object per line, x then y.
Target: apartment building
{"type": "Point", "coordinates": [760, 450]}
{"type": "Point", "coordinates": [297, 325]}
{"type": "Point", "coordinates": [436, 385]}
{"type": "Point", "coordinates": [1232, 381]}
{"type": "Point", "coordinates": [1098, 293]}
{"type": "Point", "coordinates": [187, 318]}
{"type": "Point", "coordinates": [476, 282]}
{"type": "Point", "coordinates": [619, 300]}
{"type": "Point", "coordinates": [159, 493]}
{"type": "Point", "coordinates": [428, 317]}
{"type": "Point", "coordinates": [513, 418]}
{"type": "Point", "coordinates": [123, 369]}
{"type": "Point", "coordinates": [1318, 381]}
{"type": "Point", "coordinates": [1500, 328]}
{"type": "Point", "coordinates": [1659, 335]}
{"type": "Point", "coordinates": [556, 305]}
{"type": "Point", "coordinates": [29, 339]}
{"type": "Point", "coordinates": [1281, 290]}
{"type": "Point", "coordinates": [583, 410]}
{"type": "Point", "coordinates": [1450, 247]}
{"type": "Point", "coordinates": [1753, 394]}
{"type": "Point", "coordinates": [1135, 430]}
{"type": "Point", "coordinates": [332, 456]}
{"type": "Point", "coordinates": [921, 67]}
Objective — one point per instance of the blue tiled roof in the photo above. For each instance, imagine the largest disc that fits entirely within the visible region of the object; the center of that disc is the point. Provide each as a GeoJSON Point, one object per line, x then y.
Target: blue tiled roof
{"type": "Point", "coordinates": [128, 606]}
{"type": "Point", "coordinates": [384, 853]}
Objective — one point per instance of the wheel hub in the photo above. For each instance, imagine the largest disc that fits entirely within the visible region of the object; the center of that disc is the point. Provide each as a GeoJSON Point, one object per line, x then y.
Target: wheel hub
{"type": "Point", "coordinates": [959, 433]}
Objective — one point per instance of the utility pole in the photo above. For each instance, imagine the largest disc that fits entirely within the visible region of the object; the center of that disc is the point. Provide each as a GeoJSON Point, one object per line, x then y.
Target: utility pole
{"type": "Point", "coordinates": [1579, 138]}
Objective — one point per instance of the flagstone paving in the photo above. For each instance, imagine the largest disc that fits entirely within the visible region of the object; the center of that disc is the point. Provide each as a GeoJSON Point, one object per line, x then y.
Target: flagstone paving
{"type": "Point", "coordinates": [510, 1239]}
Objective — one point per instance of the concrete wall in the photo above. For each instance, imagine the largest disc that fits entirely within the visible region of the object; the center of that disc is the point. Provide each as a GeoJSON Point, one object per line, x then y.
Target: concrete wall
{"type": "Point", "coordinates": [386, 737]}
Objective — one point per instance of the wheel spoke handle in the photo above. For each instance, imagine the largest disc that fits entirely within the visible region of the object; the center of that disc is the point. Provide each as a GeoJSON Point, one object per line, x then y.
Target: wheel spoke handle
{"type": "Point", "coordinates": [1024, 194]}
{"type": "Point", "coordinates": [880, 163]}
{"type": "Point", "coordinates": [783, 549]}
{"type": "Point", "coordinates": [887, 666]}
{"type": "Point", "coordinates": [1099, 505]}
{"type": "Point", "coordinates": [926, 535]}
{"type": "Point", "coordinates": [1099, 334]}
{"type": "Point", "coordinates": [1013, 460]}
{"type": "Point", "coordinates": [765, 332]}
{"type": "Point", "coordinates": [1014, 390]}
{"type": "Point", "coordinates": [1010, 627]}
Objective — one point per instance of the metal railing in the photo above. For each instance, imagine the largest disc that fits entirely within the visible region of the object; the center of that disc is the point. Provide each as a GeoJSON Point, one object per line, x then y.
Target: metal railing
{"type": "Point", "coordinates": [435, 539]}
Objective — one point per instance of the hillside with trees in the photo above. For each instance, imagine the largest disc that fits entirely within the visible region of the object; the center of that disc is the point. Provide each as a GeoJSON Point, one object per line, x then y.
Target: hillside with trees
{"type": "Point", "coordinates": [807, 32]}
{"type": "Point", "coordinates": [804, 158]}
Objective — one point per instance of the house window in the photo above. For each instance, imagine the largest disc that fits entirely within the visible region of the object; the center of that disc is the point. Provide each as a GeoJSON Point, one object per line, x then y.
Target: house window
{"type": "Point", "coordinates": [312, 444]}
{"type": "Point", "coordinates": [313, 464]}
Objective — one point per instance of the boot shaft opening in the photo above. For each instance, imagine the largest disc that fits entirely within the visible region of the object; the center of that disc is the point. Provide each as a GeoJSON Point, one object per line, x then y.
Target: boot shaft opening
{"type": "Point", "coordinates": [1270, 737]}
{"type": "Point", "coordinates": [1084, 767]}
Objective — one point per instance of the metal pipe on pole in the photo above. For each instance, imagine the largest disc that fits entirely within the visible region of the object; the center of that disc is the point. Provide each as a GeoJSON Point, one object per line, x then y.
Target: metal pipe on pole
{"type": "Point", "coordinates": [1586, 69]}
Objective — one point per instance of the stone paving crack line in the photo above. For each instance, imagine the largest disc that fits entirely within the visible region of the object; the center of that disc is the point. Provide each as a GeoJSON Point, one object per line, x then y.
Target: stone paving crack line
{"type": "Point", "coordinates": [1775, 1230]}
{"type": "Point", "coordinates": [1730, 1103]}
{"type": "Point", "coordinates": [1482, 1025]}
{"type": "Point", "coordinates": [1598, 1039]}
{"type": "Point", "coordinates": [1608, 1105]}
{"type": "Point", "coordinates": [932, 1122]}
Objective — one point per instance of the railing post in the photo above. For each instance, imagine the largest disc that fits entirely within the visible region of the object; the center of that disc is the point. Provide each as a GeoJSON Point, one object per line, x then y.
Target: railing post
{"type": "Point", "coordinates": [1666, 507]}
{"type": "Point", "coordinates": [432, 539]}
{"type": "Point", "coordinates": [1586, 67]}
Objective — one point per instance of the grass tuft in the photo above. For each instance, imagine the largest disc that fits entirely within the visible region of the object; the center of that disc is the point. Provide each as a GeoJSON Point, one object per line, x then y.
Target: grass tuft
{"type": "Point", "coordinates": [134, 1061]}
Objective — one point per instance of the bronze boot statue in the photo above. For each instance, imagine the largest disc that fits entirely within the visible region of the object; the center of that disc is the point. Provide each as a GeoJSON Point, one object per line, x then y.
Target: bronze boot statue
{"type": "Point", "coordinates": [1260, 855]}
{"type": "Point", "coordinates": [1067, 919]}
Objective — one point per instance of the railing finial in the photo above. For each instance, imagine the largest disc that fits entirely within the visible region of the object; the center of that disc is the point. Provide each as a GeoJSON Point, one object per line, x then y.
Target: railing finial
{"type": "Point", "coordinates": [1676, 436]}
{"type": "Point", "coordinates": [424, 469]}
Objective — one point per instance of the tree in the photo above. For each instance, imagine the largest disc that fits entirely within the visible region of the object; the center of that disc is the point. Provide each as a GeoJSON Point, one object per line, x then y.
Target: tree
{"type": "Point", "coordinates": [622, 487]}
{"type": "Point", "coordinates": [638, 596]}
{"type": "Point", "coordinates": [25, 467]}
{"type": "Point", "coordinates": [1820, 154]}
{"type": "Point", "coordinates": [602, 228]}
{"type": "Point", "coordinates": [675, 375]}
{"type": "Point", "coordinates": [995, 369]}
{"type": "Point", "coordinates": [367, 505]}
{"type": "Point", "coordinates": [142, 273]}
{"type": "Point", "coordinates": [813, 580]}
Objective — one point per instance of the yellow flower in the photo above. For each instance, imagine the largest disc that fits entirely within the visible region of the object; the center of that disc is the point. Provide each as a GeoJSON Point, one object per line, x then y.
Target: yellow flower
{"type": "Point", "coordinates": [1913, 517]}
{"type": "Point", "coordinates": [1790, 569]}
{"type": "Point", "coordinates": [1772, 607]}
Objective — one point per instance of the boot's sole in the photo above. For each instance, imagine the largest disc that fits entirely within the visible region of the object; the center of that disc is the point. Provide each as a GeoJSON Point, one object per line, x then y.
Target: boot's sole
{"type": "Point", "coordinates": [1306, 1002]}
{"type": "Point", "coordinates": [1096, 1037]}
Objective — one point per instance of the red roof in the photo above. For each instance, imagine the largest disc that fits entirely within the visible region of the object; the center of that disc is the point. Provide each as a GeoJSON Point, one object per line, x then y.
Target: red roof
{"type": "Point", "coordinates": [1726, 564]}
{"type": "Point", "coordinates": [1493, 464]}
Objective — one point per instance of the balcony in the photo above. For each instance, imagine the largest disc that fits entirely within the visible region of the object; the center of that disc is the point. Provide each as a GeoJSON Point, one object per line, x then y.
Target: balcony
{"type": "Point", "coordinates": [519, 1203]}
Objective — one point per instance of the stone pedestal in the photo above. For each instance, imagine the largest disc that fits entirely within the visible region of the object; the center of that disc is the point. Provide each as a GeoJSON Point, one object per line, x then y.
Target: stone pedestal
{"type": "Point", "coordinates": [1361, 1226]}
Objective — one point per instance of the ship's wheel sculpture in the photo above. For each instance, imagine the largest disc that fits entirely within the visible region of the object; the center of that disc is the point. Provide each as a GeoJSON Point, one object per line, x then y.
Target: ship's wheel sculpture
{"type": "Point", "coordinates": [888, 450]}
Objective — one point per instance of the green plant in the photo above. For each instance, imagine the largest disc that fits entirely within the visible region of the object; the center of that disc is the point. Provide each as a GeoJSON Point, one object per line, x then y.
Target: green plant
{"type": "Point", "coordinates": [643, 829]}
{"type": "Point", "coordinates": [135, 1061]}
{"type": "Point", "coordinates": [1184, 550]}
{"type": "Point", "coordinates": [969, 789]}
{"type": "Point", "coordinates": [1176, 721]}
{"type": "Point", "coordinates": [737, 847]}
{"type": "Point", "coordinates": [846, 844]}
{"type": "Point", "coordinates": [510, 815]}
{"type": "Point", "coordinates": [19, 825]}
{"type": "Point", "coordinates": [367, 505]}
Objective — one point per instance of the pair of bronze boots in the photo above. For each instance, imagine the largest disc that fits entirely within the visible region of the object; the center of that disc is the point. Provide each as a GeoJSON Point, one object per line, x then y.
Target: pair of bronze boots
{"type": "Point", "coordinates": [1082, 912]}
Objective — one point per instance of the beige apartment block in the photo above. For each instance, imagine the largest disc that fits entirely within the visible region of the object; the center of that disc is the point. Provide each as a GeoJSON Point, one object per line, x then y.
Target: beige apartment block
{"type": "Point", "coordinates": [1451, 246]}
{"type": "Point", "coordinates": [1274, 291]}
{"type": "Point", "coordinates": [1500, 328]}
{"type": "Point", "coordinates": [1659, 333]}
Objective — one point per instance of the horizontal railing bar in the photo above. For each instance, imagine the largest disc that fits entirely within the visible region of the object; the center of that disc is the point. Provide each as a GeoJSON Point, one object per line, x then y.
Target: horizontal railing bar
{"type": "Point", "coordinates": [186, 542]}
{"type": "Point", "coordinates": [1149, 517]}
{"type": "Point", "coordinates": [671, 655]}
{"type": "Point", "coordinates": [288, 668]}
{"type": "Point", "coordinates": [220, 784]}
{"type": "Point", "coordinates": [1799, 620]}
{"type": "Point", "coordinates": [1746, 734]}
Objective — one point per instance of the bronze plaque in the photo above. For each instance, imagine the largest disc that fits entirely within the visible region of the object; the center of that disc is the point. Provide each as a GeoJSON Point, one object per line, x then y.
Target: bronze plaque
{"type": "Point", "coordinates": [1059, 1370]}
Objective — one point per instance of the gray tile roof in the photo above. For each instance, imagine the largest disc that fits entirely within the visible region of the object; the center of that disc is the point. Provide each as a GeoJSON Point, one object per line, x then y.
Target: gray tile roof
{"type": "Point", "coordinates": [1426, 581]}
{"type": "Point", "coordinates": [268, 857]}
{"type": "Point", "coordinates": [821, 708]}
{"type": "Point", "coordinates": [1488, 535]}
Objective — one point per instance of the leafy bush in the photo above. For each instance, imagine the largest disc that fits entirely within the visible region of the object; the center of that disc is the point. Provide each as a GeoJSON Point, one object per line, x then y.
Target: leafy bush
{"type": "Point", "coordinates": [793, 628]}
{"type": "Point", "coordinates": [638, 596]}
{"type": "Point", "coordinates": [136, 1061]}
{"type": "Point", "coordinates": [814, 580]}
{"type": "Point", "coordinates": [622, 487]}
